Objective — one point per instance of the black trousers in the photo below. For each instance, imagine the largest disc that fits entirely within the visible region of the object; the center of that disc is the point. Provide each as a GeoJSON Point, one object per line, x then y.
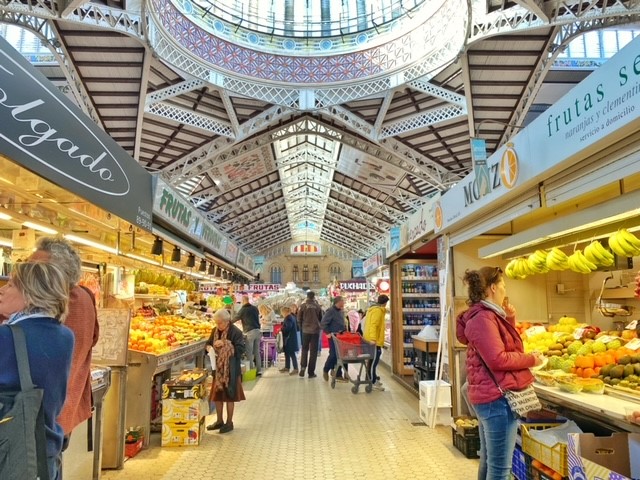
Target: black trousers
{"type": "Point", "coordinates": [309, 353]}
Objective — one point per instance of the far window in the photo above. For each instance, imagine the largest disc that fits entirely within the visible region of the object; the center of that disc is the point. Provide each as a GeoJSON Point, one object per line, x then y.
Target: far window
{"type": "Point", "coordinates": [305, 273]}
{"type": "Point", "coordinates": [316, 274]}
{"type": "Point", "coordinates": [276, 274]}
{"type": "Point", "coordinates": [295, 273]}
{"type": "Point", "coordinates": [335, 271]}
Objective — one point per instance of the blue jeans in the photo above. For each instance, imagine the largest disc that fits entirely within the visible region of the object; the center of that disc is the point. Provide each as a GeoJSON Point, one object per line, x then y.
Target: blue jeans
{"type": "Point", "coordinates": [55, 467]}
{"type": "Point", "coordinates": [332, 360]}
{"type": "Point", "coordinates": [498, 428]}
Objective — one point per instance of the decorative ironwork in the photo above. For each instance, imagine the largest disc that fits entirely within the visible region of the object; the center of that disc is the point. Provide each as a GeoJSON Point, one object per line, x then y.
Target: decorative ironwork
{"type": "Point", "coordinates": [189, 117]}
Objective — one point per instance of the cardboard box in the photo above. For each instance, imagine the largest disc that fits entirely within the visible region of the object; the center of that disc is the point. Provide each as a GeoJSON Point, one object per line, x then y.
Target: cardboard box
{"type": "Point", "coordinates": [184, 410]}
{"type": "Point", "coordinates": [182, 434]}
{"type": "Point", "coordinates": [428, 390]}
{"type": "Point", "coordinates": [604, 458]}
{"type": "Point", "coordinates": [182, 392]}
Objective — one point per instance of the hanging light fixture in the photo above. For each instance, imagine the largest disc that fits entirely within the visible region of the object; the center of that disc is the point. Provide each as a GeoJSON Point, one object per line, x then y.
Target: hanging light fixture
{"type": "Point", "coordinates": [218, 273]}
{"type": "Point", "coordinates": [203, 266]}
{"type": "Point", "coordinates": [175, 254]}
{"type": "Point", "coordinates": [157, 247]}
{"type": "Point", "coordinates": [191, 260]}
{"type": "Point", "coordinates": [212, 269]}
{"type": "Point", "coordinates": [225, 276]}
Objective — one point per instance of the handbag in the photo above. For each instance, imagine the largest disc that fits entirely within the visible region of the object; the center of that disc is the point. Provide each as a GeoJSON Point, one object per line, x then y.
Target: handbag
{"type": "Point", "coordinates": [520, 402]}
{"type": "Point", "coordinates": [22, 428]}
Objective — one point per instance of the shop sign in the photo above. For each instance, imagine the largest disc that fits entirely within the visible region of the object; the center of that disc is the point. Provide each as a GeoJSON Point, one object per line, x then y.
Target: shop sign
{"type": "Point", "coordinates": [375, 261]}
{"type": "Point", "coordinates": [396, 239]}
{"type": "Point", "coordinates": [355, 285]}
{"type": "Point", "coordinates": [245, 261]}
{"type": "Point", "coordinates": [264, 287]}
{"type": "Point", "coordinates": [479, 158]}
{"type": "Point", "coordinates": [175, 209]}
{"type": "Point", "coordinates": [422, 222]}
{"type": "Point", "coordinates": [357, 269]}
{"type": "Point", "coordinates": [42, 130]}
{"type": "Point", "coordinates": [232, 251]}
{"type": "Point", "coordinates": [305, 248]}
{"type": "Point", "coordinates": [599, 106]}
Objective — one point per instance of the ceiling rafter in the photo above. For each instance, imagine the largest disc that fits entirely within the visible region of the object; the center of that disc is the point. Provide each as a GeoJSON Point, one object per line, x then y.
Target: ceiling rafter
{"type": "Point", "coordinates": [173, 91]}
{"type": "Point", "coordinates": [144, 84]}
{"type": "Point", "coordinates": [189, 117]}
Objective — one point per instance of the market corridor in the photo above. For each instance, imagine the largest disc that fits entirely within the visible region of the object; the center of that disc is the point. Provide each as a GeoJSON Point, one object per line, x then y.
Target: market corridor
{"type": "Point", "coordinates": [292, 428]}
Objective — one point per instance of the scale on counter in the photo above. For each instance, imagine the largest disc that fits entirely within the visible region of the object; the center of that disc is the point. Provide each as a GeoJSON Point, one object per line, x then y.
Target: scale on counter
{"type": "Point", "coordinates": [429, 333]}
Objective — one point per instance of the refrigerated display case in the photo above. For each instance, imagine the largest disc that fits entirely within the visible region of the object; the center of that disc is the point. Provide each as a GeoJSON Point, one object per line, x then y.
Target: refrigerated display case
{"type": "Point", "coordinates": [415, 303]}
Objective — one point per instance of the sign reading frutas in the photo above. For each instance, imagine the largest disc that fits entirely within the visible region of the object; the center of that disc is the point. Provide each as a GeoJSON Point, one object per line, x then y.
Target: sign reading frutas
{"type": "Point", "coordinates": [45, 132]}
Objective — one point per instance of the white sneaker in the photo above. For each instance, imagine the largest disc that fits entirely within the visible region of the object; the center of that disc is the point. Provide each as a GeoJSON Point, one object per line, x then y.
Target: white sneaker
{"type": "Point", "coordinates": [378, 387]}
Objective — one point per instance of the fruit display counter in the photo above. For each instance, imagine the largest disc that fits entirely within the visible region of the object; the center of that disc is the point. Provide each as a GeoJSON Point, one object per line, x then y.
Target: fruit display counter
{"type": "Point", "coordinates": [146, 373]}
{"type": "Point", "coordinates": [159, 335]}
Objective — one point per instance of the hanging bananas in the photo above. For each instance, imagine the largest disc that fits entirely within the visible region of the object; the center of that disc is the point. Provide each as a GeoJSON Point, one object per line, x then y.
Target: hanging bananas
{"type": "Point", "coordinates": [598, 255]}
{"type": "Point", "coordinates": [518, 269]}
{"type": "Point", "coordinates": [557, 260]}
{"type": "Point", "coordinates": [624, 243]}
{"type": "Point", "coordinates": [537, 262]}
{"type": "Point", "coordinates": [580, 264]}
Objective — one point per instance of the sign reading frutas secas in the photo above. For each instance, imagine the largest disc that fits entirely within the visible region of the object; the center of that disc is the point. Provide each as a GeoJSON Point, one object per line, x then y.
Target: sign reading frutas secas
{"type": "Point", "coordinates": [45, 132]}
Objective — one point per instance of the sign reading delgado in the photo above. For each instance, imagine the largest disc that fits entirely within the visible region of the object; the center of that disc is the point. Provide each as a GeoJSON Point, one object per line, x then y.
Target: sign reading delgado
{"type": "Point", "coordinates": [46, 133]}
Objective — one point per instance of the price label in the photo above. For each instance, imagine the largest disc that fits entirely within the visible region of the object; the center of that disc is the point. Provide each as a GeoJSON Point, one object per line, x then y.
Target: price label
{"type": "Point", "coordinates": [577, 334]}
{"type": "Point", "coordinates": [558, 335]}
{"type": "Point", "coordinates": [633, 344]}
{"type": "Point", "coordinates": [632, 326]}
{"type": "Point", "coordinates": [533, 331]}
{"type": "Point", "coordinates": [606, 339]}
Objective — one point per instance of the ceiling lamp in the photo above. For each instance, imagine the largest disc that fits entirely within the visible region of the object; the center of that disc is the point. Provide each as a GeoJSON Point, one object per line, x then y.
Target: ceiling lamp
{"type": "Point", "coordinates": [212, 269]}
{"type": "Point", "coordinates": [175, 254]}
{"type": "Point", "coordinates": [203, 266]}
{"type": "Point", "coordinates": [218, 273]}
{"type": "Point", "coordinates": [157, 247]}
{"type": "Point", "coordinates": [225, 275]}
{"type": "Point", "coordinates": [191, 260]}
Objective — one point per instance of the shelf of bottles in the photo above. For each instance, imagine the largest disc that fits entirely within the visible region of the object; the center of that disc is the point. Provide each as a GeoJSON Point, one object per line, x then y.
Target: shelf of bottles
{"type": "Point", "coordinates": [420, 305]}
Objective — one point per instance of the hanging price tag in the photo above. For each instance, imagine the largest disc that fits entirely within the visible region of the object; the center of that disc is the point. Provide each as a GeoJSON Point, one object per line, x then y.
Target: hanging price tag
{"type": "Point", "coordinates": [633, 344]}
{"type": "Point", "coordinates": [606, 339]}
{"type": "Point", "coordinates": [632, 326]}
{"type": "Point", "coordinates": [533, 331]}
{"type": "Point", "coordinates": [577, 334]}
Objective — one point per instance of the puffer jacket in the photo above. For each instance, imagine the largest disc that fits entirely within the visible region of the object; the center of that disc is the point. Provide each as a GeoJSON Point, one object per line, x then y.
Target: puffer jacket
{"type": "Point", "coordinates": [374, 326]}
{"type": "Point", "coordinates": [496, 339]}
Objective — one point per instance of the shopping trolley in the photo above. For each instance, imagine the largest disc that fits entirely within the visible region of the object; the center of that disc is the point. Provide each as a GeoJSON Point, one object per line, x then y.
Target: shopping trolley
{"type": "Point", "coordinates": [351, 348]}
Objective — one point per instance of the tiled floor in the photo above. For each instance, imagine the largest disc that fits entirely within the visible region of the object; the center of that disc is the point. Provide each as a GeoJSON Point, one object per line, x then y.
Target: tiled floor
{"type": "Point", "coordinates": [292, 428]}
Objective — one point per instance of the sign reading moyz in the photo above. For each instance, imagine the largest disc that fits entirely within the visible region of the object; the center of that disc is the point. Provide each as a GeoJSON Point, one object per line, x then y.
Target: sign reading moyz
{"type": "Point", "coordinates": [46, 133]}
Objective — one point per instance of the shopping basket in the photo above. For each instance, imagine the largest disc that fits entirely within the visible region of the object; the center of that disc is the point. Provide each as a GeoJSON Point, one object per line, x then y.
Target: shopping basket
{"type": "Point", "coordinates": [352, 348]}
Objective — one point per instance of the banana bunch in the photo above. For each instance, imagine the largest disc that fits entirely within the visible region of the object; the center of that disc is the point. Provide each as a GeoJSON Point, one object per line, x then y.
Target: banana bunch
{"type": "Point", "coordinates": [557, 260]}
{"type": "Point", "coordinates": [518, 269]}
{"type": "Point", "coordinates": [579, 263]}
{"type": "Point", "coordinates": [537, 262]}
{"type": "Point", "coordinates": [624, 243]}
{"type": "Point", "coordinates": [598, 255]}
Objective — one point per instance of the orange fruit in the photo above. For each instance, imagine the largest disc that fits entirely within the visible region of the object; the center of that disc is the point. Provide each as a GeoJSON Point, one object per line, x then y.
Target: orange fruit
{"type": "Point", "coordinates": [588, 373]}
{"type": "Point", "coordinates": [579, 371]}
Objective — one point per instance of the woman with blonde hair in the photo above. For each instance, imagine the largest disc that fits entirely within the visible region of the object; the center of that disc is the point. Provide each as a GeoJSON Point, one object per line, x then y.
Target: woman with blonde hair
{"type": "Point", "coordinates": [35, 299]}
{"type": "Point", "coordinates": [228, 343]}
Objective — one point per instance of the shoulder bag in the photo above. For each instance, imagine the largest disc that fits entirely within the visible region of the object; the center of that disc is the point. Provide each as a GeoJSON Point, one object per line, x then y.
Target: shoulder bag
{"type": "Point", "coordinates": [522, 401]}
{"type": "Point", "coordinates": [22, 428]}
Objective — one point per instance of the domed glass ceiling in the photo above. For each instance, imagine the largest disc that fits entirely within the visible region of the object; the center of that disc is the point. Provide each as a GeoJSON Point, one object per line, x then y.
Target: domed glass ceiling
{"type": "Point", "coordinates": [309, 18]}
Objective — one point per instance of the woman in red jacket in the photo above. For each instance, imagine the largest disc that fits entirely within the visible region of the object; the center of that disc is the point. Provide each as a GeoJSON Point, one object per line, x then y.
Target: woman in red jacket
{"type": "Point", "coordinates": [488, 328]}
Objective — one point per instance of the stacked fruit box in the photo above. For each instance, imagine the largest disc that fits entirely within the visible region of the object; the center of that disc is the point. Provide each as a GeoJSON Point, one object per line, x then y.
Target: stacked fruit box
{"type": "Point", "coordinates": [183, 412]}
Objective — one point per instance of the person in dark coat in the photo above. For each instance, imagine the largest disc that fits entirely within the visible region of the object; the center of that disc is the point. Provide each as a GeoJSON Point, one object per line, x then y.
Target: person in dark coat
{"type": "Point", "coordinates": [228, 343]}
{"type": "Point", "coordinates": [290, 335]}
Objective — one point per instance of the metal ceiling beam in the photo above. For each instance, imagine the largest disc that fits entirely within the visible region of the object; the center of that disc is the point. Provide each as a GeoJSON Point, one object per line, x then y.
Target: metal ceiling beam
{"type": "Point", "coordinates": [558, 40]}
{"type": "Point", "coordinates": [421, 120]}
{"type": "Point", "coordinates": [382, 112]}
{"type": "Point", "coordinates": [438, 92]}
{"type": "Point", "coordinates": [349, 223]}
{"type": "Point", "coordinates": [351, 237]}
{"type": "Point", "coordinates": [231, 112]}
{"type": "Point", "coordinates": [558, 12]}
{"type": "Point", "coordinates": [173, 91]}
{"type": "Point", "coordinates": [144, 83]}
{"type": "Point", "coordinates": [185, 116]}
{"type": "Point", "coordinates": [259, 237]}
{"type": "Point", "coordinates": [337, 239]}
{"type": "Point", "coordinates": [192, 164]}
{"type": "Point", "coordinates": [269, 243]}
{"type": "Point", "coordinates": [535, 6]}
{"type": "Point", "coordinates": [253, 196]}
{"type": "Point", "coordinates": [366, 200]}
{"type": "Point", "coordinates": [264, 231]}
{"type": "Point", "coordinates": [357, 213]}
{"type": "Point", "coordinates": [241, 222]}
{"type": "Point", "coordinates": [468, 92]}
{"type": "Point", "coordinates": [267, 208]}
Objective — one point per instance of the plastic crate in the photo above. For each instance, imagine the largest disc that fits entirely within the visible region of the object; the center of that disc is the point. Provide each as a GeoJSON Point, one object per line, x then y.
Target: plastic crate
{"type": "Point", "coordinates": [466, 432]}
{"type": "Point", "coordinates": [469, 445]}
{"type": "Point", "coordinates": [554, 457]}
{"type": "Point", "coordinates": [520, 464]}
{"type": "Point", "coordinates": [428, 391]}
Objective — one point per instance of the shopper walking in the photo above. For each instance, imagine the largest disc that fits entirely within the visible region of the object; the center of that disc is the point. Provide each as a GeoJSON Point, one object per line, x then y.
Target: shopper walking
{"type": "Point", "coordinates": [249, 315]}
{"type": "Point", "coordinates": [82, 319]}
{"type": "Point", "coordinates": [290, 335]}
{"type": "Point", "coordinates": [309, 317]}
{"type": "Point", "coordinates": [228, 343]}
{"type": "Point", "coordinates": [333, 323]}
{"type": "Point", "coordinates": [35, 299]}
{"type": "Point", "coordinates": [374, 333]}
{"type": "Point", "coordinates": [488, 328]}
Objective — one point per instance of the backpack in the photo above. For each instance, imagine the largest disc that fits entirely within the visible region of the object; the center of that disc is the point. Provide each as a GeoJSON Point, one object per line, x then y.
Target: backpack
{"type": "Point", "coordinates": [280, 342]}
{"type": "Point", "coordinates": [23, 446]}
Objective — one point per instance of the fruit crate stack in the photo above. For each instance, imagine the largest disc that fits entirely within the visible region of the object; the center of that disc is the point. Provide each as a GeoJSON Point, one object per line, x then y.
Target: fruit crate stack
{"type": "Point", "coordinates": [184, 406]}
{"type": "Point", "coordinates": [428, 390]}
{"type": "Point", "coordinates": [465, 434]}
